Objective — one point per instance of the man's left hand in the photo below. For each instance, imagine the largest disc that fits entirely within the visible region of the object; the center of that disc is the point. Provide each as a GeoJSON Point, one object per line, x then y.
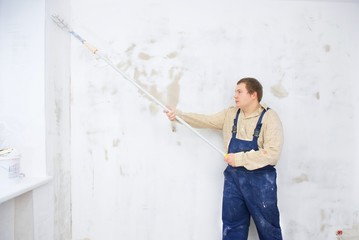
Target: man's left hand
{"type": "Point", "coordinates": [230, 159]}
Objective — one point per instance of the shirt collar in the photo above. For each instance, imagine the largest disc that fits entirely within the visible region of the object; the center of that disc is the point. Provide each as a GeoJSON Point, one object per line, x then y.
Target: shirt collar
{"type": "Point", "coordinates": [256, 113]}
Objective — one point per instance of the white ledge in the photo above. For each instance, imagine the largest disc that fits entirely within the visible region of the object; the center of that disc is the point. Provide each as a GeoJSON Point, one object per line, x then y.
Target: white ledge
{"type": "Point", "coordinates": [26, 184]}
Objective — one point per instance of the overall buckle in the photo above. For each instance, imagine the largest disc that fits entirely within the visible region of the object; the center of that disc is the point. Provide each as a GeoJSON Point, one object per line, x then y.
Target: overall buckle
{"type": "Point", "coordinates": [234, 129]}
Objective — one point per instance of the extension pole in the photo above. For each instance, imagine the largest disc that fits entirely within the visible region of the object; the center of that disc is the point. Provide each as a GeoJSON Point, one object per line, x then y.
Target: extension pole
{"type": "Point", "coordinates": [61, 24]}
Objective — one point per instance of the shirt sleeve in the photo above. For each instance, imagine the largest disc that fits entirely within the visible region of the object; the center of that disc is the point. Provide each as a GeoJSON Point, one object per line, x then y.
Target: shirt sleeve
{"type": "Point", "coordinates": [270, 145]}
{"type": "Point", "coordinates": [214, 121]}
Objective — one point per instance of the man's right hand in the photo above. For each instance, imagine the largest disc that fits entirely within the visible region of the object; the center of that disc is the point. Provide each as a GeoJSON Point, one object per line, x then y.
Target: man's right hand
{"type": "Point", "coordinates": [171, 113]}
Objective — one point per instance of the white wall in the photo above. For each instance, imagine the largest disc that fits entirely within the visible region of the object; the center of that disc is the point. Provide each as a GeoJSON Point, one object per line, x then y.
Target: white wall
{"type": "Point", "coordinates": [132, 178]}
{"type": "Point", "coordinates": [120, 173]}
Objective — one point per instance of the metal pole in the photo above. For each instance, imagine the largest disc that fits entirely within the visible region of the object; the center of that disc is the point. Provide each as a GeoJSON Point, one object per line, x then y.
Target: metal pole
{"type": "Point", "coordinates": [61, 24]}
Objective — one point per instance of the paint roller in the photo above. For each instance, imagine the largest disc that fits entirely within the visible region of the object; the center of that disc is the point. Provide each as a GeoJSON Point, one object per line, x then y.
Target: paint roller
{"type": "Point", "coordinates": [64, 26]}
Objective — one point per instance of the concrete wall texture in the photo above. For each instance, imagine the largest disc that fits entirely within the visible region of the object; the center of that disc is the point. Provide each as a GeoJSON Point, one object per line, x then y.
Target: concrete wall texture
{"type": "Point", "coordinates": [135, 179]}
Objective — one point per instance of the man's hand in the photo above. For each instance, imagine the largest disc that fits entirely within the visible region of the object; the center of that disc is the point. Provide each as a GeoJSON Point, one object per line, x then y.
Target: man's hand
{"type": "Point", "coordinates": [230, 159]}
{"type": "Point", "coordinates": [171, 114]}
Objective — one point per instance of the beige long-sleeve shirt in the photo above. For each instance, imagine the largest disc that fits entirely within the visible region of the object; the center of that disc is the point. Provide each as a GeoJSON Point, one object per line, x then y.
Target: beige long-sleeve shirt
{"type": "Point", "coordinates": [270, 139]}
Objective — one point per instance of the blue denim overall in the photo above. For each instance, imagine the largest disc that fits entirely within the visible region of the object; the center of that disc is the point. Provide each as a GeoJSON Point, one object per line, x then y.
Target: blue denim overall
{"type": "Point", "coordinates": [249, 193]}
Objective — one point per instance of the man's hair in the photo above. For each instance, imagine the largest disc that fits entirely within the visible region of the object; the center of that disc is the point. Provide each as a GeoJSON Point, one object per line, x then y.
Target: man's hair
{"type": "Point", "coordinates": [253, 85]}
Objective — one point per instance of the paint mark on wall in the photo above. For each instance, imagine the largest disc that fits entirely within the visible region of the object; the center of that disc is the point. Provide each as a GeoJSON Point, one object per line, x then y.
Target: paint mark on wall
{"type": "Point", "coordinates": [301, 178]}
{"type": "Point", "coordinates": [327, 48]}
{"type": "Point", "coordinates": [124, 65]}
{"type": "Point", "coordinates": [172, 55]}
{"type": "Point", "coordinates": [173, 89]}
{"type": "Point", "coordinates": [151, 75]}
{"type": "Point", "coordinates": [58, 112]}
{"type": "Point", "coordinates": [144, 56]}
{"type": "Point", "coordinates": [279, 91]}
{"type": "Point", "coordinates": [137, 73]}
{"type": "Point", "coordinates": [122, 173]}
{"type": "Point", "coordinates": [154, 73]}
{"type": "Point", "coordinates": [115, 142]}
{"type": "Point", "coordinates": [317, 96]}
{"type": "Point", "coordinates": [114, 92]}
{"type": "Point", "coordinates": [106, 154]}
{"type": "Point", "coordinates": [131, 48]}
{"type": "Point", "coordinates": [154, 92]}
{"type": "Point", "coordinates": [310, 29]}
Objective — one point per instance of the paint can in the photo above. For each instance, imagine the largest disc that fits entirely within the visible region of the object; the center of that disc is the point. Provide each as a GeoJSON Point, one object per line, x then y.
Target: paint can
{"type": "Point", "coordinates": [9, 168]}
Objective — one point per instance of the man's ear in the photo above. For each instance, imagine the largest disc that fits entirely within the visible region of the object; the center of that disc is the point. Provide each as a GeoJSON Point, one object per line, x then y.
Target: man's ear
{"type": "Point", "coordinates": [254, 95]}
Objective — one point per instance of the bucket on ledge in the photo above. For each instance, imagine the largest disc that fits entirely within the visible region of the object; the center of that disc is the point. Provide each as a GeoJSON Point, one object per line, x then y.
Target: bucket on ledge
{"type": "Point", "coordinates": [9, 167]}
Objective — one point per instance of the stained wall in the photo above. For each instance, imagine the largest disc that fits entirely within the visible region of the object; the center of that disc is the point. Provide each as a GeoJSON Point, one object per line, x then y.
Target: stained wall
{"type": "Point", "coordinates": [133, 178]}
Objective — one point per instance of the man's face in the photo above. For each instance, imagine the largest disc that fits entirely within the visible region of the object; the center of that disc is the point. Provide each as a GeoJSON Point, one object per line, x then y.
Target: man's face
{"type": "Point", "coordinates": [242, 97]}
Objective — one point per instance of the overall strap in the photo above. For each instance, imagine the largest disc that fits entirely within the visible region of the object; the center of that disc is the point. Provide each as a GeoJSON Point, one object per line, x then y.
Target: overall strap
{"type": "Point", "coordinates": [234, 128]}
{"type": "Point", "coordinates": [257, 130]}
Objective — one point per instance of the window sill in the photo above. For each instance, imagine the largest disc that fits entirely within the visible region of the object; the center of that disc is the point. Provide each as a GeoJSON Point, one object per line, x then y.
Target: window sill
{"type": "Point", "coordinates": [26, 184]}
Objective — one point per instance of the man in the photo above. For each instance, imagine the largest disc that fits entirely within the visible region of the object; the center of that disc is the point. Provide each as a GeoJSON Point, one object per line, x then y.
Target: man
{"type": "Point", "coordinates": [253, 135]}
